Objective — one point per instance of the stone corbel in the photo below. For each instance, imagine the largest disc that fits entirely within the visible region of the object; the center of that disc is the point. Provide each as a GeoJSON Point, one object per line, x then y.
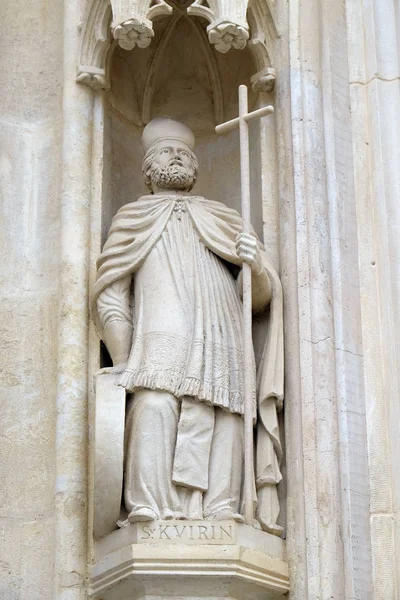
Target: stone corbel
{"type": "Point", "coordinates": [132, 21]}
{"type": "Point", "coordinates": [264, 79]}
{"type": "Point", "coordinates": [95, 44]}
{"type": "Point", "coordinates": [228, 25]}
{"type": "Point", "coordinates": [262, 21]}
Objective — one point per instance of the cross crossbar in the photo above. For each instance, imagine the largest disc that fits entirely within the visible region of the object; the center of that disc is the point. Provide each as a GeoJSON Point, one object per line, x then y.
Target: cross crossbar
{"type": "Point", "coordinates": [249, 374]}
{"type": "Point", "coordinates": [233, 123]}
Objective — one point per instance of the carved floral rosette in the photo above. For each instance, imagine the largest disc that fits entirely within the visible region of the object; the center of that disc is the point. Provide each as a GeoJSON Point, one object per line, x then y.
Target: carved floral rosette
{"type": "Point", "coordinates": [132, 21]}
{"type": "Point", "coordinates": [228, 25]}
{"type": "Point", "coordinates": [225, 35]}
{"type": "Point", "coordinates": [133, 32]}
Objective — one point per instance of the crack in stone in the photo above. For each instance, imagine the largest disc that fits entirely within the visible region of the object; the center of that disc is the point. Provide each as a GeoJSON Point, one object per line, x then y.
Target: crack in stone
{"type": "Point", "coordinates": [318, 341]}
{"type": "Point", "coordinates": [375, 78]}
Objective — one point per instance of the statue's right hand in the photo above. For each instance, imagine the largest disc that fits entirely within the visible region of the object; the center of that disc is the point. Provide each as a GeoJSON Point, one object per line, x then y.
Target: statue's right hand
{"type": "Point", "coordinates": [115, 369]}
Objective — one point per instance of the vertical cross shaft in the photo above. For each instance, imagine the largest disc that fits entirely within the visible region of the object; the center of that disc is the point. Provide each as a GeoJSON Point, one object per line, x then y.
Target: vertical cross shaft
{"type": "Point", "coordinates": [249, 374]}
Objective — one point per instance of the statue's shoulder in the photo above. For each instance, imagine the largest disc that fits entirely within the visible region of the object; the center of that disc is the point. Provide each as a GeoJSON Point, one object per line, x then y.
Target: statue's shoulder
{"type": "Point", "coordinates": [132, 207]}
{"type": "Point", "coordinates": [137, 202]}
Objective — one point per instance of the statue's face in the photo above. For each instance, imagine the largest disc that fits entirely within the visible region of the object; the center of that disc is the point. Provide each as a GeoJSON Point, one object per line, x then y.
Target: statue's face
{"type": "Point", "coordinates": [171, 152]}
{"type": "Point", "coordinates": [173, 167]}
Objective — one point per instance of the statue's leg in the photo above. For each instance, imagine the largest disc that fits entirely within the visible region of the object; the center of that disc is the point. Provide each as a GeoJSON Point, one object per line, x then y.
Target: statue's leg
{"type": "Point", "coordinates": [192, 454]}
{"type": "Point", "coordinates": [222, 499]}
{"type": "Point", "coordinates": [151, 434]}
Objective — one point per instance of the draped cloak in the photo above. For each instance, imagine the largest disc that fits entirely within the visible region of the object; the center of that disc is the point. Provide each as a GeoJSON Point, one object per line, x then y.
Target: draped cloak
{"type": "Point", "coordinates": [136, 229]}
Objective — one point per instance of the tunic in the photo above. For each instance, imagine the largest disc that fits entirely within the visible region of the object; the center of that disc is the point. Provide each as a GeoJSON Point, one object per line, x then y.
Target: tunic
{"type": "Point", "coordinates": [187, 321]}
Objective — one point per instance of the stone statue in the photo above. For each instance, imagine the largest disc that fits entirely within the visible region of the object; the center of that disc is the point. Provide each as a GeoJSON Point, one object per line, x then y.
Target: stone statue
{"type": "Point", "coordinates": [167, 303]}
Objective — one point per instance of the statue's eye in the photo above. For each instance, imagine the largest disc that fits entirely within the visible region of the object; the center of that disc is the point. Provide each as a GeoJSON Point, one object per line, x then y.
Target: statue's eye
{"type": "Point", "coordinates": [184, 153]}
{"type": "Point", "coordinates": [164, 151]}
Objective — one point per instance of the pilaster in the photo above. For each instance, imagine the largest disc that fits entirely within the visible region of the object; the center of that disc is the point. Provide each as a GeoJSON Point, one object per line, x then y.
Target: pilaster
{"type": "Point", "coordinates": [328, 527]}
{"type": "Point", "coordinates": [70, 556]}
{"type": "Point", "coordinates": [375, 99]}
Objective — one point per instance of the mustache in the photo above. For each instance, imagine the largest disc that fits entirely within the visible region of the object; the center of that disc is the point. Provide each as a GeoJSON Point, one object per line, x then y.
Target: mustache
{"type": "Point", "coordinates": [175, 161]}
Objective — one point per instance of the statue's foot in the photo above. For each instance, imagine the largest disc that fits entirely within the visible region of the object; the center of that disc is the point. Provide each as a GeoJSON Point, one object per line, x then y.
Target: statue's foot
{"type": "Point", "coordinates": [122, 523]}
{"type": "Point", "coordinates": [168, 515]}
{"type": "Point", "coordinates": [226, 514]}
{"type": "Point", "coordinates": [142, 514]}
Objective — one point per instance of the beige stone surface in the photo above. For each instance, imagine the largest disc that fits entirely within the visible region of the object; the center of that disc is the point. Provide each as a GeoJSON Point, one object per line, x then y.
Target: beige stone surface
{"type": "Point", "coordinates": [30, 157]}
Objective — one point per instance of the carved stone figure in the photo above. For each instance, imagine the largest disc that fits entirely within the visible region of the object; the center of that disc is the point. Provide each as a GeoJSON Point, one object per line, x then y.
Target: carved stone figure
{"type": "Point", "coordinates": [167, 303]}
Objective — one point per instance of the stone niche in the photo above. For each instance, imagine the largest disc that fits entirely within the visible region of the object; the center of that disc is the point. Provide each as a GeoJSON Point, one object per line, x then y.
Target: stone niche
{"type": "Point", "coordinates": [181, 75]}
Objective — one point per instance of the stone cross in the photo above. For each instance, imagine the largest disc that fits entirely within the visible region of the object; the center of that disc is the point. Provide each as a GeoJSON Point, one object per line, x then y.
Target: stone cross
{"type": "Point", "coordinates": [249, 383]}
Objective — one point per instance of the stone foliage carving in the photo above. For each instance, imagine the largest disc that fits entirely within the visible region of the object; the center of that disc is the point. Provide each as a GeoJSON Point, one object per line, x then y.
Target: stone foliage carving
{"type": "Point", "coordinates": [225, 35]}
{"type": "Point", "coordinates": [228, 25]}
{"type": "Point", "coordinates": [167, 304]}
{"type": "Point", "coordinates": [133, 32]}
{"type": "Point", "coordinates": [132, 24]}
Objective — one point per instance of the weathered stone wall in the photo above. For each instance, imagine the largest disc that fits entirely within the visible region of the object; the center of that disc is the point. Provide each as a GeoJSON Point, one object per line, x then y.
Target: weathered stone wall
{"type": "Point", "coordinates": [30, 159]}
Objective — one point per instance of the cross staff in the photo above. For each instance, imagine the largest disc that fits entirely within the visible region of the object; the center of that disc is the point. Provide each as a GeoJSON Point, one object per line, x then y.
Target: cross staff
{"type": "Point", "coordinates": [249, 383]}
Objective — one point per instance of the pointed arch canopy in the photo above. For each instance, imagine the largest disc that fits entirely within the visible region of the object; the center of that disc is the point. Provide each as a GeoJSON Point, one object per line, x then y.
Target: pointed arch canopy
{"type": "Point", "coordinates": [128, 23]}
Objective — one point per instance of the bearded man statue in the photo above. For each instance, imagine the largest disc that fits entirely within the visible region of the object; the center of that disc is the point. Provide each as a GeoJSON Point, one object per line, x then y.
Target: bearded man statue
{"type": "Point", "coordinates": [167, 303]}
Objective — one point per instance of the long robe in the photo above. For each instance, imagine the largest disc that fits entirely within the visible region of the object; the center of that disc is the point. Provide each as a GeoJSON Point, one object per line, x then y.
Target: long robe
{"type": "Point", "coordinates": [136, 231]}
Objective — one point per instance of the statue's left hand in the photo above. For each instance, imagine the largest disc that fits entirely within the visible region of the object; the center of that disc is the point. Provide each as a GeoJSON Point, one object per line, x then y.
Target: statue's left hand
{"type": "Point", "coordinates": [247, 250]}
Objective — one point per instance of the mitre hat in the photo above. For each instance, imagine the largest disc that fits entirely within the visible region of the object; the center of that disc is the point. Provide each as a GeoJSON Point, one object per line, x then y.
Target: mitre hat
{"type": "Point", "coordinates": [165, 128]}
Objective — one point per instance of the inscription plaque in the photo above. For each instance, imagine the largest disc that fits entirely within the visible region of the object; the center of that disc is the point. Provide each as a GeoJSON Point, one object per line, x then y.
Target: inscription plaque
{"type": "Point", "coordinates": [187, 532]}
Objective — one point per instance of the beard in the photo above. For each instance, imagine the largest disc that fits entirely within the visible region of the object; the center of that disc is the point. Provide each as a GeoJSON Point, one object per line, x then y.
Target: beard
{"type": "Point", "coordinates": [173, 177]}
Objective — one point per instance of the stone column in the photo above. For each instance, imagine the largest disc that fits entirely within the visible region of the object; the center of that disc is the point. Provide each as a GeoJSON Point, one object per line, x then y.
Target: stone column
{"type": "Point", "coordinates": [30, 167]}
{"type": "Point", "coordinates": [375, 100]}
{"type": "Point", "coordinates": [328, 526]}
{"type": "Point", "coordinates": [72, 426]}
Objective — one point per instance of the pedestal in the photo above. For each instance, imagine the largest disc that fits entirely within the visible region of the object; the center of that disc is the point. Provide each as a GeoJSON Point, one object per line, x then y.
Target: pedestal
{"type": "Point", "coordinates": [189, 560]}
